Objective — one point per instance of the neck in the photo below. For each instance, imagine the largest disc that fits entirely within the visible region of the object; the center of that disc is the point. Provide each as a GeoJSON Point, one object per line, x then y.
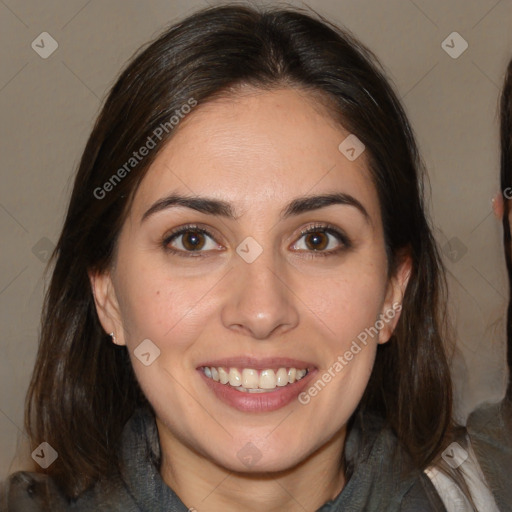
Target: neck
{"type": "Point", "coordinates": [203, 485]}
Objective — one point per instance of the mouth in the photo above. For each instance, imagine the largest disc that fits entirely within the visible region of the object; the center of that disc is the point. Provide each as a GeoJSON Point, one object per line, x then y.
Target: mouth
{"type": "Point", "coordinates": [250, 380]}
{"type": "Point", "coordinates": [252, 385]}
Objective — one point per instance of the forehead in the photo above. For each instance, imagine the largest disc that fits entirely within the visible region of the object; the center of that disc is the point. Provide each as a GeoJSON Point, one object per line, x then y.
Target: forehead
{"type": "Point", "coordinates": [257, 149]}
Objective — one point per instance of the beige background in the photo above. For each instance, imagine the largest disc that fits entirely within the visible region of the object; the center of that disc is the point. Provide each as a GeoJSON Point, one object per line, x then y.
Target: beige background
{"type": "Point", "coordinates": [48, 107]}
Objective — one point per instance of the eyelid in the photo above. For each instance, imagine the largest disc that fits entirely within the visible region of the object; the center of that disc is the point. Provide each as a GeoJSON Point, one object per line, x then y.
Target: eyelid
{"type": "Point", "coordinates": [338, 233]}
{"type": "Point", "coordinates": [181, 230]}
{"type": "Point", "coordinates": [187, 227]}
{"type": "Point", "coordinates": [327, 228]}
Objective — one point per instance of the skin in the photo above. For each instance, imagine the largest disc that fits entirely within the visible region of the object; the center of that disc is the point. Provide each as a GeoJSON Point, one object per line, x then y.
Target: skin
{"type": "Point", "coordinates": [257, 150]}
{"type": "Point", "coordinates": [498, 205]}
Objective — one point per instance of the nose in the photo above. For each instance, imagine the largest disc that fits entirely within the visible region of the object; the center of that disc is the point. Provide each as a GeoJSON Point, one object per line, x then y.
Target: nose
{"type": "Point", "coordinates": [260, 301]}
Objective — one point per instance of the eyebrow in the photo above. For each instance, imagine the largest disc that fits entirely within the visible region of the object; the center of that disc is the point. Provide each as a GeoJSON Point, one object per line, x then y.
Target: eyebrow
{"type": "Point", "coordinates": [221, 208]}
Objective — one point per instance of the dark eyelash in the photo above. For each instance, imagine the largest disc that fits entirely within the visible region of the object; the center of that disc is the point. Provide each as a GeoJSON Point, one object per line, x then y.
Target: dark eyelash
{"type": "Point", "coordinates": [180, 231]}
{"type": "Point", "coordinates": [325, 228]}
{"type": "Point", "coordinates": [332, 230]}
{"type": "Point", "coordinates": [184, 229]}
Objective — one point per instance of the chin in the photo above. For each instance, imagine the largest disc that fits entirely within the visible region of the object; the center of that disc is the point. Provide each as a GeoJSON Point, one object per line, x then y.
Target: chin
{"type": "Point", "coordinates": [256, 464]}
{"type": "Point", "coordinates": [259, 457]}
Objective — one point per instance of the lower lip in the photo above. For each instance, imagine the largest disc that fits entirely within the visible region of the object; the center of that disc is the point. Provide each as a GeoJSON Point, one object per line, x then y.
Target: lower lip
{"type": "Point", "coordinates": [258, 402]}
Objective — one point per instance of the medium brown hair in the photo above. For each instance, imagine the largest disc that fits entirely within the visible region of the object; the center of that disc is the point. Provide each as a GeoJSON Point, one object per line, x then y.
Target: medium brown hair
{"type": "Point", "coordinates": [83, 389]}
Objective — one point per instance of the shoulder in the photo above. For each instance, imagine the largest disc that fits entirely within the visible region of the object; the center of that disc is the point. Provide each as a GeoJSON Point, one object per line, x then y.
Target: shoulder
{"type": "Point", "coordinates": [491, 419]}
{"type": "Point", "coordinates": [490, 432]}
{"type": "Point", "coordinates": [384, 476]}
{"type": "Point", "coordinates": [422, 496]}
{"type": "Point", "coordinates": [33, 492]}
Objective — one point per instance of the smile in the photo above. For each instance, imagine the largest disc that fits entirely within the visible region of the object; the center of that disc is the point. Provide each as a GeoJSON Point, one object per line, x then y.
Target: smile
{"type": "Point", "coordinates": [256, 385]}
{"type": "Point", "coordinates": [249, 380]}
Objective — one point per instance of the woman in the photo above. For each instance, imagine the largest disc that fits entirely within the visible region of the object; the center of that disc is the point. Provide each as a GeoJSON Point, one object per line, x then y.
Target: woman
{"type": "Point", "coordinates": [244, 309]}
{"type": "Point", "coordinates": [483, 481]}
{"type": "Point", "coordinates": [490, 426]}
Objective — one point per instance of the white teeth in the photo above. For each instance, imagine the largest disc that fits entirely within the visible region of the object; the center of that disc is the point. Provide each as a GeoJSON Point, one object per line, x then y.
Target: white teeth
{"type": "Point", "coordinates": [267, 379]}
{"type": "Point", "coordinates": [252, 381]}
{"type": "Point", "coordinates": [282, 377]}
{"type": "Point", "coordinates": [223, 376]}
{"type": "Point", "coordinates": [235, 379]}
{"type": "Point", "coordinates": [246, 390]}
{"type": "Point", "coordinates": [250, 378]}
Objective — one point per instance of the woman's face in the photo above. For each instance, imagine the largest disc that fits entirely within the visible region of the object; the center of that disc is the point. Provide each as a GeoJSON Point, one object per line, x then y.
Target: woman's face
{"type": "Point", "coordinates": [251, 296]}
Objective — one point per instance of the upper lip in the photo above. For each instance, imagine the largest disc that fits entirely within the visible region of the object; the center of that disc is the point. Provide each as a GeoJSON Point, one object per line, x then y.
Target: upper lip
{"type": "Point", "coordinates": [258, 363]}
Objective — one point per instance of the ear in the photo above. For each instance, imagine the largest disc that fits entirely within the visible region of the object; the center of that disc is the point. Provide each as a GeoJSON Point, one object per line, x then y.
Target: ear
{"type": "Point", "coordinates": [107, 305]}
{"type": "Point", "coordinates": [394, 297]}
{"type": "Point", "coordinates": [498, 205]}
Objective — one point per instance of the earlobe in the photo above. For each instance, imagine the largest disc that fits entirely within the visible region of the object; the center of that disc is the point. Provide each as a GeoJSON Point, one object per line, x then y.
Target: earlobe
{"type": "Point", "coordinates": [107, 306]}
{"type": "Point", "coordinates": [394, 298]}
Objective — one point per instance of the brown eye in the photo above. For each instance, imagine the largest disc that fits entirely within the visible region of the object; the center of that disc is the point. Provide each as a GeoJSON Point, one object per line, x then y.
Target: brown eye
{"type": "Point", "coordinates": [322, 240]}
{"type": "Point", "coordinates": [193, 240]}
{"type": "Point", "coordinates": [316, 241]}
{"type": "Point", "coordinates": [189, 240]}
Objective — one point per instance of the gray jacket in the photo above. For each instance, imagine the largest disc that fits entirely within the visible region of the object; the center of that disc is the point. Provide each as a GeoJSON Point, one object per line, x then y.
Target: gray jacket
{"type": "Point", "coordinates": [374, 485]}
{"type": "Point", "coordinates": [490, 431]}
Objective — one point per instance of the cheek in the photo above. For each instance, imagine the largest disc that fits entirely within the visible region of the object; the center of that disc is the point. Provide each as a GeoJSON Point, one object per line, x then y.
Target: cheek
{"type": "Point", "coordinates": [348, 304]}
{"type": "Point", "coordinates": [157, 305]}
